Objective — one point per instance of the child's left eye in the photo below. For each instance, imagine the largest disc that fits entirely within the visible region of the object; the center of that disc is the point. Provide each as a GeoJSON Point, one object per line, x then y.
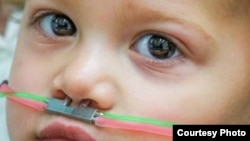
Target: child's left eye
{"type": "Point", "coordinates": [156, 47]}
{"type": "Point", "coordinates": [57, 25]}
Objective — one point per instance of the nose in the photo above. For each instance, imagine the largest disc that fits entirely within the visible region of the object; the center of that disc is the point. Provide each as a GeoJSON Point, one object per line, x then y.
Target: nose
{"type": "Point", "coordinates": [86, 77]}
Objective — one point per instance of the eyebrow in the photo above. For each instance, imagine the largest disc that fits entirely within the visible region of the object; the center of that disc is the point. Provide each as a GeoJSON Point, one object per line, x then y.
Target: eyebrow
{"type": "Point", "coordinates": [142, 14]}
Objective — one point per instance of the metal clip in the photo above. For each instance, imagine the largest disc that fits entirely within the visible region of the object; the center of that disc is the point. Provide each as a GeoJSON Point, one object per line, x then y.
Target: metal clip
{"type": "Point", "coordinates": [84, 113]}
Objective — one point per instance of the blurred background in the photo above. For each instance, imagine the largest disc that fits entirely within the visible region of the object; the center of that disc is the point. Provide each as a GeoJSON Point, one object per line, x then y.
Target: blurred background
{"type": "Point", "coordinates": [10, 16]}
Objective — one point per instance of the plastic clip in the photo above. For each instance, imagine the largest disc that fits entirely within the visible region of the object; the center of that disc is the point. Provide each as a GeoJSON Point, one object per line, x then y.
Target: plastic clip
{"type": "Point", "coordinates": [84, 113]}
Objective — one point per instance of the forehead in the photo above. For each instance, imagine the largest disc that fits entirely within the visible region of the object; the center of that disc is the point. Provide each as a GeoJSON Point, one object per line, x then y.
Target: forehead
{"type": "Point", "coordinates": [223, 7]}
{"type": "Point", "coordinates": [229, 8]}
{"type": "Point", "coordinates": [188, 3]}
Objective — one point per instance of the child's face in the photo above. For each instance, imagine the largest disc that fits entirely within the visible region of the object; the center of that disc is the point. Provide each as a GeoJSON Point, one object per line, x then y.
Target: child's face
{"type": "Point", "coordinates": [180, 61]}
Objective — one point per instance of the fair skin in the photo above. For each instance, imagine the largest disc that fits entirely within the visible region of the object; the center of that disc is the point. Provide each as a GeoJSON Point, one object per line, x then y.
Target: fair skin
{"type": "Point", "coordinates": [204, 78]}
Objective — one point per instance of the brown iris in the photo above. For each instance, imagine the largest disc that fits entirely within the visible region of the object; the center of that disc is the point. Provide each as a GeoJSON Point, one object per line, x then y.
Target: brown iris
{"type": "Point", "coordinates": [62, 25]}
{"type": "Point", "coordinates": [161, 47]}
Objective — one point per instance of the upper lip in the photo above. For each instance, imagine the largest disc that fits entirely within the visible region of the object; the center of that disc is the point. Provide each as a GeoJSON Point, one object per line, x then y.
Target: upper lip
{"type": "Point", "coordinates": [57, 130]}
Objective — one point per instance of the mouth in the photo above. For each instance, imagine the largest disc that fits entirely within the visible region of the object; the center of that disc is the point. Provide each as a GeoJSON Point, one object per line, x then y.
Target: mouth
{"type": "Point", "coordinates": [61, 132]}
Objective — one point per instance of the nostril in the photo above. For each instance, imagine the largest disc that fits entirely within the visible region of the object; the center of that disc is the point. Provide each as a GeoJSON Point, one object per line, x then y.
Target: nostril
{"type": "Point", "coordinates": [71, 103]}
{"type": "Point", "coordinates": [85, 103]}
{"type": "Point", "coordinates": [58, 94]}
{"type": "Point", "coordinates": [94, 104]}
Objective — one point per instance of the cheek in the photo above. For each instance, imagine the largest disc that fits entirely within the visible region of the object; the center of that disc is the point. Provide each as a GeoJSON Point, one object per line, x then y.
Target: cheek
{"type": "Point", "coordinates": [202, 98]}
{"type": "Point", "coordinates": [30, 71]}
{"type": "Point", "coordinates": [26, 74]}
{"type": "Point", "coordinates": [31, 65]}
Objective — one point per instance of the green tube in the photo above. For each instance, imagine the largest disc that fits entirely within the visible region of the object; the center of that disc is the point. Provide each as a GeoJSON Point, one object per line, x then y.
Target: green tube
{"type": "Point", "coordinates": [2, 95]}
{"type": "Point", "coordinates": [138, 119]}
{"type": "Point", "coordinates": [25, 95]}
{"type": "Point", "coordinates": [31, 96]}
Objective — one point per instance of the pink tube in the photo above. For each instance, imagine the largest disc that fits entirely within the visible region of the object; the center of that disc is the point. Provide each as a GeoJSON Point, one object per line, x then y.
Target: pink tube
{"type": "Point", "coordinates": [39, 106]}
{"type": "Point", "coordinates": [6, 89]}
{"type": "Point", "coordinates": [104, 122]}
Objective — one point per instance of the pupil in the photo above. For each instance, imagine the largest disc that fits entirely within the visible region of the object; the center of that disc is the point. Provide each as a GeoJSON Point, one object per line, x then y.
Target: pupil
{"type": "Point", "coordinates": [63, 26]}
{"type": "Point", "coordinates": [161, 47]}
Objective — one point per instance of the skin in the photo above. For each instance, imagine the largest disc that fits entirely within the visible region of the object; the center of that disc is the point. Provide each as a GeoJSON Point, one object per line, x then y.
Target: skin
{"type": "Point", "coordinates": [208, 82]}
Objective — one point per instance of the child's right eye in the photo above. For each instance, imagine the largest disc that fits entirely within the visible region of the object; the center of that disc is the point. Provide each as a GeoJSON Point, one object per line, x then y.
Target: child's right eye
{"type": "Point", "coordinates": [57, 25]}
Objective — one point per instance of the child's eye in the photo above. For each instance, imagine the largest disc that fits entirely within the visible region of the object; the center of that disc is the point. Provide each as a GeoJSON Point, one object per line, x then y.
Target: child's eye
{"type": "Point", "coordinates": [57, 25]}
{"type": "Point", "coordinates": [156, 47]}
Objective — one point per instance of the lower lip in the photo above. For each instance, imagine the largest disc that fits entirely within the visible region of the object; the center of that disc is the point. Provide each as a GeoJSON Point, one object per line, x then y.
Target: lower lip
{"type": "Point", "coordinates": [61, 132]}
